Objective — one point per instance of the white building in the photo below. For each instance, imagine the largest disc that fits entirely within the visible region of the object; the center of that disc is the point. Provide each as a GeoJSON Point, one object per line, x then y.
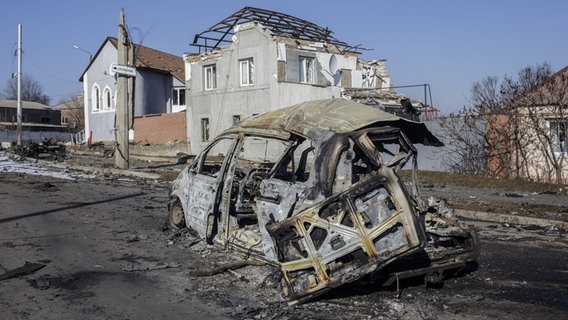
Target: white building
{"type": "Point", "coordinates": [257, 61]}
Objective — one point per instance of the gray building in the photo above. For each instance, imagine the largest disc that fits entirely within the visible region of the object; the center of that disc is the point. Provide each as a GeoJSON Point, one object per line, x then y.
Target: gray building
{"type": "Point", "coordinates": [39, 121]}
{"type": "Point", "coordinates": [34, 115]}
{"type": "Point", "coordinates": [257, 61]}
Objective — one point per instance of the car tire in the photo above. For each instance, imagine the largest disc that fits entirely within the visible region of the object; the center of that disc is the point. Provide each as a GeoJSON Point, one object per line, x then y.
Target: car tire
{"type": "Point", "coordinates": [176, 215]}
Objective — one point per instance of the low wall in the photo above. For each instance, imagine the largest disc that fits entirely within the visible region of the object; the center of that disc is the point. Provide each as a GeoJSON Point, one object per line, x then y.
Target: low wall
{"type": "Point", "coordinates": [160, 128]}
{"type": "Point", "coordinates": [36, 136]}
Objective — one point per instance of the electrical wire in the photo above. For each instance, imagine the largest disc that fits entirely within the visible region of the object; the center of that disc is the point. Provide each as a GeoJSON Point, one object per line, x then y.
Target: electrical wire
{"type": "Point", "coordinates": [27, 58]}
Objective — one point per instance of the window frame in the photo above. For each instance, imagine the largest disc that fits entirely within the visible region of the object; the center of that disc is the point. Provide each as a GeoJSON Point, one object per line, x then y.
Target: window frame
{"type": "Point", "coordinates": [558, 134]}
{"type": "Point", "coordinates": [177, 94]}
{"type": "Point", "coordinates": [237, 118]}
{"type": "Point", "coordinates": [306, 69]}
{"type": "Point", "coordinates": [107, 100]}
{"type": "Point", "coordinates": [210, 77]}
{"type": "Point", "coordinates": [96, 98]}
{"type": "Point", "coordinates": [368, 77]}
{"type": "Point", "coordinates": [205, 125]}
{"type": "Point", "coordinates": [246, 69]}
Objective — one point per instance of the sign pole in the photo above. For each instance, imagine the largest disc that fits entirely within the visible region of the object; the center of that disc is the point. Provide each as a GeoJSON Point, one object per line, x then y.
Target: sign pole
{"type": "Point", "coordinates": [121, 152]}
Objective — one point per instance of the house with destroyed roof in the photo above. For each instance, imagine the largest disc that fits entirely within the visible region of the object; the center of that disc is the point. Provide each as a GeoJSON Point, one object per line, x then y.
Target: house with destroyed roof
{"type": "Point", "coordinates": [158, 88]}
{"type": "Point", "coordinates": [258, 60]}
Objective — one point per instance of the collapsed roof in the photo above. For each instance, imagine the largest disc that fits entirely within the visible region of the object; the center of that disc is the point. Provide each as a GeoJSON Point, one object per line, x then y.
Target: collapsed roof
{"type": "Point", "coordinates": [279, 24]}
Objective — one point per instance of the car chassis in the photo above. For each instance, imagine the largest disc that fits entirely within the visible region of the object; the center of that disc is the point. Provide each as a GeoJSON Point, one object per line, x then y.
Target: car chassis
{"type": "Point", "coordinates": [316, 190]}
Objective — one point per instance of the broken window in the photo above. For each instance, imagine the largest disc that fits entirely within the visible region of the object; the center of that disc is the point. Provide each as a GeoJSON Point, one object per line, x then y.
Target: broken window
{"type": "Point", "coordinates": [255, 161]}
{"type": "Point", "coordinates": [369, 77]}
{"type": "Point", "coordinates": [296, 164]}
{"type": "Point", "coordinates": [178, 96]}
{"type": "Point", "coordinates": [210, 77]}
{"type": "Point", "coordinates": [247, 72]}
{"type": "Point", "coordinates": [213, 158]}
{"type": "Point", "coordinates": [559, 135]}
{"type": "Point", "coordinates": [204, 129]}
{"type": "Point", "coordinates": [306, 67]}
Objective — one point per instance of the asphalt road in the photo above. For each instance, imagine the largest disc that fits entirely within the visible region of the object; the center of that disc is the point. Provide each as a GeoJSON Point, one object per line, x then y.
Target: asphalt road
{"type": "Point", "coordinates": [107, 255]}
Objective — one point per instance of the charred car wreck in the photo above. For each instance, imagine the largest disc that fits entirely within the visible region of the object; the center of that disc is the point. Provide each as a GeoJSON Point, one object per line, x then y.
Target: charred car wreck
{"type": "Point", "coordinates": [315, 190]}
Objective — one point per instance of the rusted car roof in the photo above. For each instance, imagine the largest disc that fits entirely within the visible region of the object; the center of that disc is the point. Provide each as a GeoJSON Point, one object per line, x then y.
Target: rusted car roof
{"type": "Point", "coordinates": [337, 115]}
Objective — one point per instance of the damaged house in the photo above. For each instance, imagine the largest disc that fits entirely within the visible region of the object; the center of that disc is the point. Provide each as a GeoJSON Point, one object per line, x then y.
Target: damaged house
{"type": "Point", "coordinates": [257, 61]}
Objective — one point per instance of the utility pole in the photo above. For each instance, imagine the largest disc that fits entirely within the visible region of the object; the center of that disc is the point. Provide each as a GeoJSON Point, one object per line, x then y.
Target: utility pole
{"type": "Point", "coordinates": [19, 108]}
{"type": "Point", "coordinates": [121, 152]}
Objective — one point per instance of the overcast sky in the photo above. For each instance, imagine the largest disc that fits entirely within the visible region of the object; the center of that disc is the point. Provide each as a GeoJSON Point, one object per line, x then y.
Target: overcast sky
{"type": "Point", "coordinates": [448, 44]}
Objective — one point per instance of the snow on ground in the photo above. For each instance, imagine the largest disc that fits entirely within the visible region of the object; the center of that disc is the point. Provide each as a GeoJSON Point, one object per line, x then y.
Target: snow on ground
{"type": "Point", "coordinates": [41, 169]}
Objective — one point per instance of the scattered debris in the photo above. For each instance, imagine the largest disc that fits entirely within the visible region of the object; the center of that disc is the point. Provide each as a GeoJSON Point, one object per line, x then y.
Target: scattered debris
{"type": "Point", "coordinates": [136, 238]}
{"type": "Point", "coordinates": [148, 265]}
{"type": "Point", "coordinates": [48, 149]}
{"type": "Point", "coordinates": [27, 268]}
{"type": "Point", "coordinates": [41, 283]}
{"type": "Point", "coordinates": [227, 266]}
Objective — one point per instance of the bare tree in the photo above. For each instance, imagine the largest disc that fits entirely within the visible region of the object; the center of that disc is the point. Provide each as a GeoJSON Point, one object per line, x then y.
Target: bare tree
{"type": "Point", "coordinates": [31, 90]}
{"type": "Point", "coordinates": [74, 110]}
{"type": "Point", "coordinates": [543, 110]}
{"type": "Point", "coordinates": [465, 142]}
{"type": "Point", "coordinates": [524, 126]}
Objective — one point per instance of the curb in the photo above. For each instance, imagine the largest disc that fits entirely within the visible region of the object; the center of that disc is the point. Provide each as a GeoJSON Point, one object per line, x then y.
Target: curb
{"type": "Point", "coordinates": [500, 217]}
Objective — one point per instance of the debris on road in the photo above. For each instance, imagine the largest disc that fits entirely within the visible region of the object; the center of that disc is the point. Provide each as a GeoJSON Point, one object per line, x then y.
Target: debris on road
{"type": "Point", "coordinates": [227, 266]}
{"type": "Point", "coordinates": [148, 265]}
{"type": "Point", "coordinates": [27, 268]}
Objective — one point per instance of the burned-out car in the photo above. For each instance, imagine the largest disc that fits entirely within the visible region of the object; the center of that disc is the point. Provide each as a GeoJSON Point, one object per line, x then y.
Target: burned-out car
{"type": "Point", "coordinates": [315, 189]}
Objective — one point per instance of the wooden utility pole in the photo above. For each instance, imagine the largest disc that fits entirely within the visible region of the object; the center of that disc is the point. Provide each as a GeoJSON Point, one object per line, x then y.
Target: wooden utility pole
{"type": "Point", "coordinates": [121, 152]}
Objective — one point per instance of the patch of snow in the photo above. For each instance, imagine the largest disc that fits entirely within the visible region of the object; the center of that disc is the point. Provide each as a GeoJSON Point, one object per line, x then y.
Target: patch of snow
{"type": "Point", "coordinates": [40, 169]}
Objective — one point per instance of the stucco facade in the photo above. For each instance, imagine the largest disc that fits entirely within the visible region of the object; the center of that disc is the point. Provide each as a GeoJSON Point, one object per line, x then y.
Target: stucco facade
{"type": "Point", "coordinates": [154, 88]}
{"type": "Point", "coordinates": [285, 71]}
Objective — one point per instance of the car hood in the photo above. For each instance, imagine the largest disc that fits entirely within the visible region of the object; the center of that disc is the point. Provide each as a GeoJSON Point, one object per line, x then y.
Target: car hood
{"type": "Point", "coordinates": [337, 115]}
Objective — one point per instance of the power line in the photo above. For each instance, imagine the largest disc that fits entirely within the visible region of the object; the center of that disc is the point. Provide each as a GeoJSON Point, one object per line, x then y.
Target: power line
{"type": "Point", "coordinates": [45, 72]}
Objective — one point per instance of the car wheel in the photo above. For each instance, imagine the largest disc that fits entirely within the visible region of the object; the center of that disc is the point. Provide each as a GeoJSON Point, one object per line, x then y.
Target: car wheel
{"type": "Point", "coordinates": [176, 215]}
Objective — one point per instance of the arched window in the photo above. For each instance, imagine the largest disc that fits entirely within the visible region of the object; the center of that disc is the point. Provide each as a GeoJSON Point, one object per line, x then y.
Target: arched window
{"type": "Point", "coordinates": [107, 99]}
{"type": "Point", "coordinates": [96, 98]}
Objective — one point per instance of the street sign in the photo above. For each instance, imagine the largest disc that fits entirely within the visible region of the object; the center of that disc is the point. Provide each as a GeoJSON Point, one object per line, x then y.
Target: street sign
{"type": "Point", "coordinates": [122, 70]}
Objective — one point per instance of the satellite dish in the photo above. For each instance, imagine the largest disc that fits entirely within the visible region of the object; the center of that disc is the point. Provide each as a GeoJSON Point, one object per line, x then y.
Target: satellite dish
{"type": "Point", "coordinates": [333, 64]}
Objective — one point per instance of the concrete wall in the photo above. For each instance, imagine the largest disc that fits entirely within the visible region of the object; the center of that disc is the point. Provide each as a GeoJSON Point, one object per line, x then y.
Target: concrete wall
{"type": "Point", "coordinates": [160, 128]}
{"type": "Point", "coordinates": [156, 100]}
{"type": "Point", "coordinates": [229, 98]}
{"type": "Point", "coordinates": [433, 158]}
{"type": "Point", "coordinates": [270, 90]}
{"type": "Point", "coordinates": [35, 136]}
{"type": "Point", "coordinates": [440, 158]}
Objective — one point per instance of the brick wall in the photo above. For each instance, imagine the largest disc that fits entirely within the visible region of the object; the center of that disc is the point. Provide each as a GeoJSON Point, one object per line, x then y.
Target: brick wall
{"type": "Point", "coordinates": [160, 128]}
